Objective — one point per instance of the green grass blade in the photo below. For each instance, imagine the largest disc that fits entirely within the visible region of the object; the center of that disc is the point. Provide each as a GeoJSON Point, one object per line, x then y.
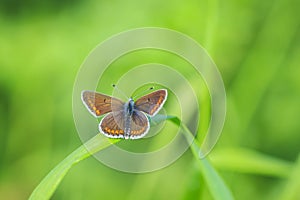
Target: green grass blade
{"type": "Point", "coordinates": [48, 185]}
{"type": "Point", "coordinates": [250, 161]}
{"type": "Point", "coordinates": [291, 190]}
{"type": "Point", "coordinates": [215, 183]}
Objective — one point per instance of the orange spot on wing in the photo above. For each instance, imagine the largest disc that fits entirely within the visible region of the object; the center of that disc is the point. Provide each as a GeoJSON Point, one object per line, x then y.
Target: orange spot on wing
{"type": "Point", "coordinates": [157, 105]}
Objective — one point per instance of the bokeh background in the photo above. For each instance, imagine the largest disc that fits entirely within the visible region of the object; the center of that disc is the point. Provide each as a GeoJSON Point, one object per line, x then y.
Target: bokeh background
{"type": "Point", "coordinates": [255, 44]}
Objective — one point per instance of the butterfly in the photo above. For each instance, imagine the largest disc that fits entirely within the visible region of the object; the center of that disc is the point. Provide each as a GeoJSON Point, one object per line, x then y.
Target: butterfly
{"type": "Point", "coordinates": [126, 120]}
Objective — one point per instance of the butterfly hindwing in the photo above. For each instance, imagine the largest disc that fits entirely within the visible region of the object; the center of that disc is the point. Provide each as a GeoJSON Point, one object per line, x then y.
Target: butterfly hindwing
{"type": "Point", "coordinates": [139, 125]}
{"type": "Point", "coordinates": [113, 125]}
{"type": "Point", "coordinates": [99, 104]}
{"type": "Point", "coordinates": [152, 103]}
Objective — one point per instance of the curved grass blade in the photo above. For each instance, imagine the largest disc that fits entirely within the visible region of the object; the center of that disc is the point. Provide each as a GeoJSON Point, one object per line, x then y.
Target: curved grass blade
{"type": "Point", "coordinates": [249, 161]}
{"type": "Point", "coordinates": [48, 185]}
{"type": "Point", "coordinates": [291, 189]}
{"type": "Point", "coordinates": [215, 183]}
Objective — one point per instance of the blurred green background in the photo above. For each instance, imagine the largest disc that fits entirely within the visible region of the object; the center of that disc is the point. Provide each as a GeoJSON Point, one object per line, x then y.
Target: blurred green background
{"type": "Point", "coordinates": [255, 44]}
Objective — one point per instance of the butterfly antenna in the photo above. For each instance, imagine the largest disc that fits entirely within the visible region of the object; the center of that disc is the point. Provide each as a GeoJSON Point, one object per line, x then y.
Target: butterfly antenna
{"type": "Point", "coordinates": [142, 92]}
{"type": "Point", "coordinates": [120, 91]}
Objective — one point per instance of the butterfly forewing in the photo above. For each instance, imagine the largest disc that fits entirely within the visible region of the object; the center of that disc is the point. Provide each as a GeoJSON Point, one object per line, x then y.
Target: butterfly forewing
{"type": "Point", "coordinates": [99, 104]}
{"type": "Point", "coordinates": [152, 102]}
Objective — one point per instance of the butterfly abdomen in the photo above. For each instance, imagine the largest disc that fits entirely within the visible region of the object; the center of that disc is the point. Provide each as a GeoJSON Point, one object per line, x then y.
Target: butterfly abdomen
{"type": "Point", "coordinates": [127, 126]}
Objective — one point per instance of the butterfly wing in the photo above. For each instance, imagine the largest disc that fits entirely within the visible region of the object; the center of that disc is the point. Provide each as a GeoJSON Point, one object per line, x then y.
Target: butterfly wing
{"type": "Point", "coordinates": [112, 125]}
{"type": "Point", "coordinates": [152, 103]}
{"type": "Point", "coordinates": [139, 125]}
{"type": "Point", "coordinates": [99, 104]}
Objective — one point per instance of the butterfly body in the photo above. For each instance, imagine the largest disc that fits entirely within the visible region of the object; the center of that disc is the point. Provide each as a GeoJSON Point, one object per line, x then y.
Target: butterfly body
{"type": "Point", "coordinates": [128, 111]}
{"type": "Point", "coordinates": [124, 120]}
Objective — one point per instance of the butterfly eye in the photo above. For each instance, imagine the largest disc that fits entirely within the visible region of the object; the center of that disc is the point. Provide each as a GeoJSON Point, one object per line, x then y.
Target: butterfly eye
{"type": "Point", "coordinates": [148, 99]}
{"type": "Point", "coordinates": [104, 100]}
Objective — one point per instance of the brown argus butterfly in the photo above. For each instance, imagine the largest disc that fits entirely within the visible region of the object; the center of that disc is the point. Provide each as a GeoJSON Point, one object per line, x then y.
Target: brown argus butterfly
{"type": "Point", "coordinates": [124, 119]}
